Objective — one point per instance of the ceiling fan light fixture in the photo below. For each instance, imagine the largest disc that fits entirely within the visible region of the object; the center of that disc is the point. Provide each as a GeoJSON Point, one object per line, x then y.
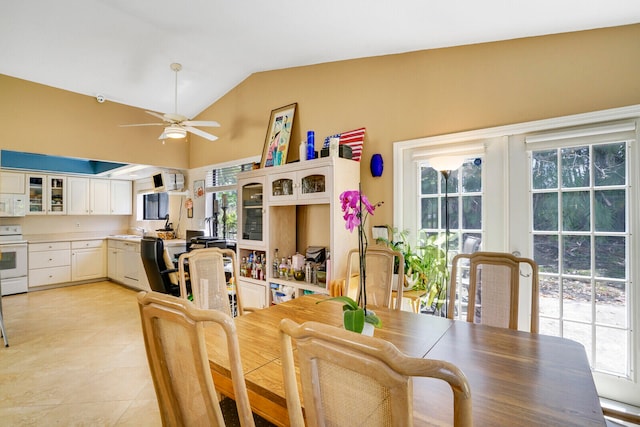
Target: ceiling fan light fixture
{"type": "Point", "coordinates": [175, 132]}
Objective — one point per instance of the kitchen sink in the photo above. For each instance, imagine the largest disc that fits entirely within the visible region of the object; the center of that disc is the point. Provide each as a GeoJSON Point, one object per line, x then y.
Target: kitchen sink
{"type": "Point", "coordinates": [126, 236]}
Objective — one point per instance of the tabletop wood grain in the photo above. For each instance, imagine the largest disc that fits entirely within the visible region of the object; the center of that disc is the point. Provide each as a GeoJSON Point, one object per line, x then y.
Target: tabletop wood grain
{"type": "Point", "coordinates": [516, 378]}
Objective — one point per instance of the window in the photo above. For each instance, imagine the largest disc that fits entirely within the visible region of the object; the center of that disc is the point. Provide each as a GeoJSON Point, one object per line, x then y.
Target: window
{"type": "Point", "coordinates": [222, 200]}
{"type": "Point", "coordinates": [464, 195]}
{"type": "Point", "coordinates": [155, 206]}
{"type": "Point", "coordinates": [559, 191]}
{"type": "Point", "coordinates": [579, 197]}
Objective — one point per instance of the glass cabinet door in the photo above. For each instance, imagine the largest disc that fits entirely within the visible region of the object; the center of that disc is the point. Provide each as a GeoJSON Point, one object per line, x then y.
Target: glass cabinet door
{"type": "Point", "coordinates": [252, 211]}
{"type": "Point", "coordinates": [314, 183]}
{"type": "Point", "coordinates": [36, 188]}
{"type": "Point", "coordinates": [282, 187]}
{"type": "Point", "coordinates": [57, 195]}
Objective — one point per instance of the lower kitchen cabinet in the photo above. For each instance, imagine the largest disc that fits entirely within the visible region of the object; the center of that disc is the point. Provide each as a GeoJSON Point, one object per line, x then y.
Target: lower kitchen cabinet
{"type": "Point", "coordinates": [125, 264]}
{"type": "Point", "coordinates": [62, 262]}
{"type": "Point", "coordinates": [87, 260]}
{"type": "Point", "coordinates": [49, 263]}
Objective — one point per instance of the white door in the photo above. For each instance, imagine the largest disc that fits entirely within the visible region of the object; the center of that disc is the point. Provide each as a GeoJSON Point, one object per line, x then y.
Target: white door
{"type": "Point", "coordinates": [561, 191]}
{"type": "Point", "coordinates": [572, 206]}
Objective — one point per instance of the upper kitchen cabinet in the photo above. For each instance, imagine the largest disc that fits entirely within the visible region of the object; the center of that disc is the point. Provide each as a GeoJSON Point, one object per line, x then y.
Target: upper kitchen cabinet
{"type": "Point", "coordinates": [47, 194]}
{"type": "Point", "coordinates": [121, 197]}
{"type": "Point", "coordinates": [11, 183]}
{"type": "Point", "coordinates": [99, 197]}
{"type": "Point", "coordinates": [79, 196]}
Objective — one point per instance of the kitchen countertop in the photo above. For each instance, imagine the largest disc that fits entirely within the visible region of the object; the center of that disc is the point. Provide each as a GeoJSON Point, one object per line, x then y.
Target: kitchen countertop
{"type": "Point", "coordinates": [71, 237]}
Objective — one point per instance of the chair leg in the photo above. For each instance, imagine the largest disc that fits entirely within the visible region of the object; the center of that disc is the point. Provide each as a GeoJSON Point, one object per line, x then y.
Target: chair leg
{"type": "Point", "coordinates": [4, 333]}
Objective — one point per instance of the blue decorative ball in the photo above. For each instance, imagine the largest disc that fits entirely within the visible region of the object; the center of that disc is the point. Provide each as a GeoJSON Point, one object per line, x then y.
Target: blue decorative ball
{"type": "Point", "coordinates": [377, 165]}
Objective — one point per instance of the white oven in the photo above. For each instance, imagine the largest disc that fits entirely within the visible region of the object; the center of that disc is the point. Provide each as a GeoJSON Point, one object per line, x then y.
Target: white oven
{"type": "Point", "coordinates": [13, 260]}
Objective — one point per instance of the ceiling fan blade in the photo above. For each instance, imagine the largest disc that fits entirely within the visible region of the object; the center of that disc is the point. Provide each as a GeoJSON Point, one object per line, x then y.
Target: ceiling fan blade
{"type": "Point", "coordinates": [154, 114]}
{"type": "Point", "coordinates": [201, 123]}
{"type": "Point", "coordinates": [143, 124]}
{"type": "Point", "coordinates": [175, 117]}
{"type": "Point", "coordinates": [200, 133]}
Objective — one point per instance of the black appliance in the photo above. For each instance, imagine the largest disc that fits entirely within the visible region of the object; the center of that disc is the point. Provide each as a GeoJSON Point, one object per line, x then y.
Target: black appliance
{"type": "Point", "coordinates": [211, 242]}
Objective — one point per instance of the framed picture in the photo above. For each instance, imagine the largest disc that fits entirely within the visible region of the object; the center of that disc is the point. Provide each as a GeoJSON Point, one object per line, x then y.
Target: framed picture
{"type": "Point", "coordinates": [276, 143]}
{"type": "Point", "coordinates": [198, 188]}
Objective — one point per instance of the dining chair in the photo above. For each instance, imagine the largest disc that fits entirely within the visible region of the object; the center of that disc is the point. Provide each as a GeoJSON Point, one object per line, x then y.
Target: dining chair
{"type": "Point", "coordinates": [347, 377]}
{"type": "Point", "coordinates": [380, 262]}
{"type": "Point", "coordinates": [158, 271]}
{"type": "Point", "coordinates": [173, 330]}
{"type": "Point", "coordinates": [2, 329]}
{"type": "Point", "coordinates": [208, 279]}
{"type": "Point", "coordinates": [490, 288]}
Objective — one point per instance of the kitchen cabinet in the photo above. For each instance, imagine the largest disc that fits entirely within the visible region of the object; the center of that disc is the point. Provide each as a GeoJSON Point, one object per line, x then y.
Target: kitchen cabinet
{"type": "Point", "coordinates": [100, 197]}
{"type": "Point", "coordinates": [251, 210]}
{"type": "Point", "coordinates": [310, 185]}
{"type": "Point", "coordinates": [11, 183]}
{"type": "Point", "coordinates": [121, 197]}
{"type": "Point", "coordinates": [124, 264]}
{"type": "Point", "coordinates": [87, 260]}
{"type": "Point", "coordinates": [300, 209]}
{"type": "Point", "coordinates": [78, 196]}
{"type": "Point", "coordinates": [88, 196]}
{"type": "Point", "coordinates": [49, 263]}
{"type": "Point", "coordinates": [254, 294]}
{"type": "Point", "coordinates": [47, 194]}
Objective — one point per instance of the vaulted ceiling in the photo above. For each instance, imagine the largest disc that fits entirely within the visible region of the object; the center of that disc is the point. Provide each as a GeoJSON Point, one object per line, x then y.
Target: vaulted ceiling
{"type": "Point", "coordinates": [122, 49]}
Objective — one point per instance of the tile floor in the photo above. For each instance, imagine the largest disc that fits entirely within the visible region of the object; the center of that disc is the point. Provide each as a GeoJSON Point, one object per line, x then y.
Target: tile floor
{"type": "Point", "coordinates": [76, 358]}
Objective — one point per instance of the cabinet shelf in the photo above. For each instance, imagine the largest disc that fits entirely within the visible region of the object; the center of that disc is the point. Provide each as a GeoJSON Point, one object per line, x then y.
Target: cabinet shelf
{"type": "Point", "coordinates": [299, 208]}
{"type": "Point", "coordinates": [321, 289]}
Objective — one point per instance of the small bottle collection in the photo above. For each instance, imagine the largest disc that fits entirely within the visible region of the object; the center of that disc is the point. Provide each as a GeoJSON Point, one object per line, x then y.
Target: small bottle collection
{"type": "Point", "coordinates": [296, 267]}
{"type": "Point", "coordinates": [253, 266]}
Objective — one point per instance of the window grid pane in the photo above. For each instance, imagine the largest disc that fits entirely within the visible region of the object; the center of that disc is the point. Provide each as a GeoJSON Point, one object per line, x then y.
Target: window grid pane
{"type": "Point", "coordinates": [464, 194]}
{"type": "Point", "coordinates": [580, 242]}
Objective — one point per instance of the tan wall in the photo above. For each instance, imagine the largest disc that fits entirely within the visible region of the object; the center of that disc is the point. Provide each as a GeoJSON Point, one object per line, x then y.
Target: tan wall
{"type": "Point", "coordinates": [430, 92]}
{"type": "Point", "coordinates": [395, 97]}
{"type": "Point", "coordinates": [41, 119]}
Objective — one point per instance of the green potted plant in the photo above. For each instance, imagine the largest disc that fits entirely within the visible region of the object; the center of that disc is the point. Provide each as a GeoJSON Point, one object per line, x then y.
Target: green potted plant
{"type": "Point", "coordinates": [354, 317]}
{"type": "Point", "coordinates": [357, 208]}
{"type": "Point", "coordinates": [425, 267]}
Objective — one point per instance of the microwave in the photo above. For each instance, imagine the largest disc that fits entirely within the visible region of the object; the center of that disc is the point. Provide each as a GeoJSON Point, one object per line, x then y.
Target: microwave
{"type": "Point", "coordinates": [12, 205]}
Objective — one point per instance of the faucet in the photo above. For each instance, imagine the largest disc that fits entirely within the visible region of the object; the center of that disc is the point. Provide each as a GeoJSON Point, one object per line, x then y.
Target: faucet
{"type": "Point", "coordinates": [140, 229]}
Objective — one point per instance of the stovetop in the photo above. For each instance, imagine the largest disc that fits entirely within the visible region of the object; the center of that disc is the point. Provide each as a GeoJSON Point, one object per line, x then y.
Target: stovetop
{"type": "Point", "coordinates": [11, 234]}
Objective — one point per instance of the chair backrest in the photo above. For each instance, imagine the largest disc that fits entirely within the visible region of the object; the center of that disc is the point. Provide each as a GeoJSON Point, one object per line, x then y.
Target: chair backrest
{"type": "Point", "coordinates": [173, 332]}
{"type": "Point", "coordinates": [490, 288]}
{"type": "Point", "coordinates": [208, 278]}
{"type": "Point", "coordinates": [347, 376]}
{"type": "Point", "coordinates": [152, 253]}
{"type": "Point", "coordinates": [380, 263]}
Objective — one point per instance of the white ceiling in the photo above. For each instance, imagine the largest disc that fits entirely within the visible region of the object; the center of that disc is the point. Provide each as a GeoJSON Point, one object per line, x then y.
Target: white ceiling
{"type": "Point", "coordinates": [122, 48]}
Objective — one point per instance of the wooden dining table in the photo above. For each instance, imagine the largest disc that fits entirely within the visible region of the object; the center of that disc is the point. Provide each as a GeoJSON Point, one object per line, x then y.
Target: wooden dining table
{"type": "Point", "coordinates": [516, 378]}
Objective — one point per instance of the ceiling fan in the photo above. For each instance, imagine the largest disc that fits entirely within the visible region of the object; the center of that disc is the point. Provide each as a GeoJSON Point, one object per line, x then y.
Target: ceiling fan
{"type": "Point", "coordinates": [176, 125]}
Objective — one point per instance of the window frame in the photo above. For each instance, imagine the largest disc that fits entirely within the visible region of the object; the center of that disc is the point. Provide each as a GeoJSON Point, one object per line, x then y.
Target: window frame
{"type": "Point", "coordinates": [501, 145]}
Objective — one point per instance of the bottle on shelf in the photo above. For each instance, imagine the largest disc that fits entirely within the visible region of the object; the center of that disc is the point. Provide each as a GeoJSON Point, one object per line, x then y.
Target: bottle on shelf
{"type": "Point", "coordinates": [284, 270]}
{"type": "Point", "coordinates": [307, 272]}
{"type": "Point", "coordinates": [276, 265]}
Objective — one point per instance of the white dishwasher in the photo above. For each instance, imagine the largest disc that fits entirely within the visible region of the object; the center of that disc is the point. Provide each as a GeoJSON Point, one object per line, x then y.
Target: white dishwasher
{"type": "Point", "coordinates": [130, 262]}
